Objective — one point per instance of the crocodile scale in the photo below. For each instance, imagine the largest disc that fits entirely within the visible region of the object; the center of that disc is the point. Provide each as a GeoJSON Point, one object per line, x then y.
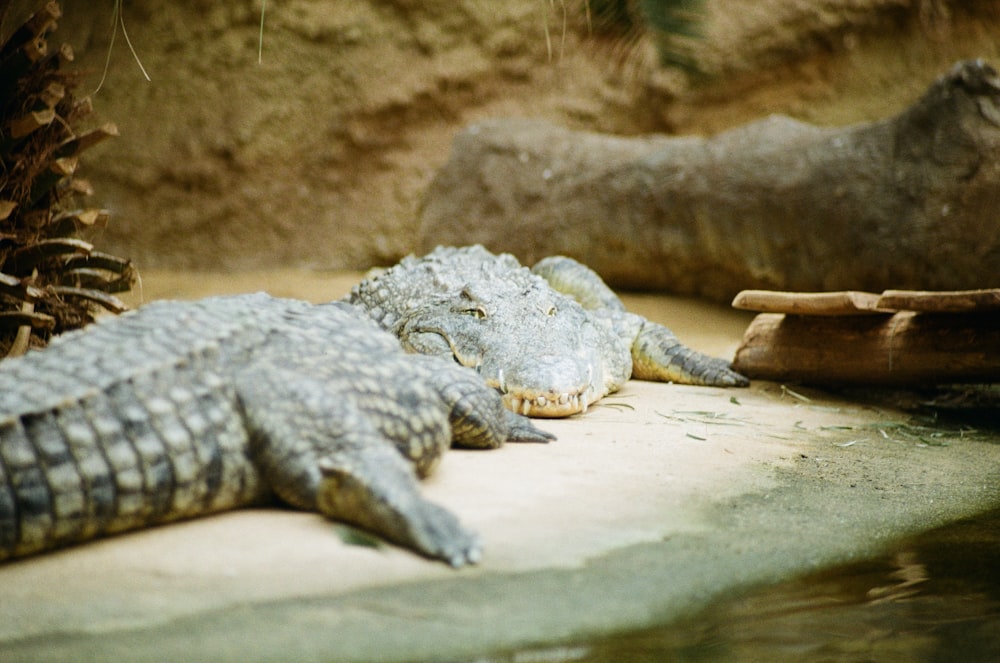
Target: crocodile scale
{"type": "Point", "coordinates": [182, 409]}
{"type": "Point", "coordinates": [552, 339]}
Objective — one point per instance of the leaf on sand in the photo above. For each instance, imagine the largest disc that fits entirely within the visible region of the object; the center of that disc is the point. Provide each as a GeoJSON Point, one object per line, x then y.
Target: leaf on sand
{"type": "Point", "coordinates": [355, 537]}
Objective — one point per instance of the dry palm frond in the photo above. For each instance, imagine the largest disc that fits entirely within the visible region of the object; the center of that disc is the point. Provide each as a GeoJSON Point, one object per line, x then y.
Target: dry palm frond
{"type": "Point", "coordinates": [50, 281]}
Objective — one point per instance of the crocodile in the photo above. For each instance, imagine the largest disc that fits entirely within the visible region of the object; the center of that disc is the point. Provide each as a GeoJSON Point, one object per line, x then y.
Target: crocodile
{"type": "Point", "coordinates": [552, 339]}
{"type": "Point", "coordinates": [183, 409]}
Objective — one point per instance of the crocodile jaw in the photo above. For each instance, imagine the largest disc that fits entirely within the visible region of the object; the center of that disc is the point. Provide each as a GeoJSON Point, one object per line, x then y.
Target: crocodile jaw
{"type": "Point", "coordinates": [519, 396]}
{"type": "Point", "coordinates": [546, 384]}
{"type": "Point", "coordinates": [548, 405]}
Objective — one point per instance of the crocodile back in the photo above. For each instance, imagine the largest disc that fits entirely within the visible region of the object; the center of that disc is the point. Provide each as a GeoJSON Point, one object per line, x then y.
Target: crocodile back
{"type": "Point", "coordinates": [131, 422]}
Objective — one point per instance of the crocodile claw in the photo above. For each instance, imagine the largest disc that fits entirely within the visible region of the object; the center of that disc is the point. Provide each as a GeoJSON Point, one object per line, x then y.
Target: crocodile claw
{"type": "Point", "coordinates": [521, 429]}
{"type": "Point", "coordinates": [439, 535]}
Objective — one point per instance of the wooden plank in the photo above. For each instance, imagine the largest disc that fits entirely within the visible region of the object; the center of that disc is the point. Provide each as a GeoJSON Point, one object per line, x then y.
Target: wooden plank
{"type": "Point", "coordinates": [951, 301]}
{"type": "Point", "coordinates": [845, 302]}
{"type": "Point", "coordinates": [903, 349]}
{"type": "Point", "coordinates": [853, 302]}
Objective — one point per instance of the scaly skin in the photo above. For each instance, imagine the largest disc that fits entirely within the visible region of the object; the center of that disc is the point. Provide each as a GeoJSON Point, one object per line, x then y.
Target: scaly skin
{"type": "Point", "coordinates": [183, 409]}
{"type": "Point", "coordinates": [552, 340]}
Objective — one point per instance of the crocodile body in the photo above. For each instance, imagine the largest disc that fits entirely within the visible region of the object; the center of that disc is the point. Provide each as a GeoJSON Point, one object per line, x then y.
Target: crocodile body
{"type": "Point", "coordinates": [182, 409]}
{"type": "Point", "coordinates": [552, 339]}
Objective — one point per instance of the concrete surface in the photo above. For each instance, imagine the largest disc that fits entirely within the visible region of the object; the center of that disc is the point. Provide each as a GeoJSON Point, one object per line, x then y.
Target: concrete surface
{"type": "Point", "coordinates": [654, 502]}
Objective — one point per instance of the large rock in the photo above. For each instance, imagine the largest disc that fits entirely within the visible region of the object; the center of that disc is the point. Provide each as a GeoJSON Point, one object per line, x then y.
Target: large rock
{"type": "Point", "coordinates": [905, 202]}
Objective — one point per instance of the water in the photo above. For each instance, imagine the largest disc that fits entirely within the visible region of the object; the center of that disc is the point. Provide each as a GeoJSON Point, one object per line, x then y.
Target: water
{"type": "Point", "coordinates": [932, 598]}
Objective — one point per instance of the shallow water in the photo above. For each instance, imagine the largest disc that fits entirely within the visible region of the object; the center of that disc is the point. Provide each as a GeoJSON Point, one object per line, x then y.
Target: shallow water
{"type": "Point", "coordinates": [932, 598]}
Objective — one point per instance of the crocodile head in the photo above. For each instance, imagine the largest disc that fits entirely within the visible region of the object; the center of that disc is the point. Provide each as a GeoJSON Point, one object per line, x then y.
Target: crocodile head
{"type": "Point", "coordinates": [545, 354]}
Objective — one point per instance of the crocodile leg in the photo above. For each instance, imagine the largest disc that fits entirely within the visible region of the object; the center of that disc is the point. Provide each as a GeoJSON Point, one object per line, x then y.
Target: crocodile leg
{"type": "Point", "coordinates": [318, 451]}
{"type": "Point", "coordinates": [656, 352]}
{"type": "Point", "coordinates": [520, 429]}
{"type": "Point", "coordinates": [578, 281]}
{"type": "Point", "coordinates": [476, 412]}
{"type": "Point", "coordinates": [375, 492]}
{"type": "Point", "coordinates": [658, 355]}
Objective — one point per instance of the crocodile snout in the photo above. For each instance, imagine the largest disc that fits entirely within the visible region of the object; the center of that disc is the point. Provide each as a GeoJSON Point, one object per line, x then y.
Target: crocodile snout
{"type": "Point", "coordinates": [547, 386]}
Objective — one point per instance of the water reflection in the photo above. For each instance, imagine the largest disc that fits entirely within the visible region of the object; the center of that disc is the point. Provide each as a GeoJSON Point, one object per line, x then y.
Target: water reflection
{"type": "Point", "coordinates": [935, 598]}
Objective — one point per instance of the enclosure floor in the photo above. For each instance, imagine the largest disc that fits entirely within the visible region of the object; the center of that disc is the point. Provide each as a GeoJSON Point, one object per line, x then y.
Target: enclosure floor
{"type": "Point", "coordinates": [655, 501]}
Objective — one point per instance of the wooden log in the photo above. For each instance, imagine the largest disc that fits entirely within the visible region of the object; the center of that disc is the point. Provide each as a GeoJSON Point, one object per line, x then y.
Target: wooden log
{"type": "Point", "coordinates": [844, 302]}
{"type": "Point", "coordinates": [957, 301]}
{"type": "Point", "coordinates": [906, 348]}
{"type": "Point", "coordinates": [852, 302]}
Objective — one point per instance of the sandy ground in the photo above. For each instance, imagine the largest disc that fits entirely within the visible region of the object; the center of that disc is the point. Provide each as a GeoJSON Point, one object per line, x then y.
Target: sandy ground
{"type": "Point", "coordinates": [655, 501]}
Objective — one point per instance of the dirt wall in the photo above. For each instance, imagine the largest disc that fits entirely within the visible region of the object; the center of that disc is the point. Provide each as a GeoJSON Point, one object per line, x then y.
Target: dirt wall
{"type": "Point", "coordinates": [318, 154]}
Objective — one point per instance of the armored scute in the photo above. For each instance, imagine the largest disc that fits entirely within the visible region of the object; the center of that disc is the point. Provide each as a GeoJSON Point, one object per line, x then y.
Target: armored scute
{"type": "Point", "coordinates": [552, 339]}
{"type": "Point", "coordinates": [183, 409]}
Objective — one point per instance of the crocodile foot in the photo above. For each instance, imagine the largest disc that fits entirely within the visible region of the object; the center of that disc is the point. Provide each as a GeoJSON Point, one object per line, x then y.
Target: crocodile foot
{"type": "Point", "coordinates": [399, 515]}
{"type": "Point", "coordinates": [658, 355]}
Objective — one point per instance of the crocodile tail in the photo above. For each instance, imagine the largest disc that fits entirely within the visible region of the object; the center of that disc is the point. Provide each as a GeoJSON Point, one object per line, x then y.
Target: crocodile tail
{"type": "Point", "coordinates": [140, 453]}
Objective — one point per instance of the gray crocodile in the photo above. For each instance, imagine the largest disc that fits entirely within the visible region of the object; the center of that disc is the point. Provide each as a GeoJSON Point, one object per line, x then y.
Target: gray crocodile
{"type": "Point", "coordinates": [182, 409]}
{"type": "Point", "coordinates": [552, 340]}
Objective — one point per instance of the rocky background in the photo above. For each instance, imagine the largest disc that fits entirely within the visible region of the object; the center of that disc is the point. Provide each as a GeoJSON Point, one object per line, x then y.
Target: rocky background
{"type": "Point", "coordinates": [318, 155]}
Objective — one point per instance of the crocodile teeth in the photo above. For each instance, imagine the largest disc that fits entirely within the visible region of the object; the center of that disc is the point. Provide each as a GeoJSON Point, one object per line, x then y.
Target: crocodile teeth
{"type": "Point", "coordinates": [549, 405]}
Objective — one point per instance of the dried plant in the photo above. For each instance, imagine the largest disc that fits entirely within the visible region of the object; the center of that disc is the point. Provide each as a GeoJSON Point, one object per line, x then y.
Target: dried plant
{"type": "Point", "coordinates": [50, 279]}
